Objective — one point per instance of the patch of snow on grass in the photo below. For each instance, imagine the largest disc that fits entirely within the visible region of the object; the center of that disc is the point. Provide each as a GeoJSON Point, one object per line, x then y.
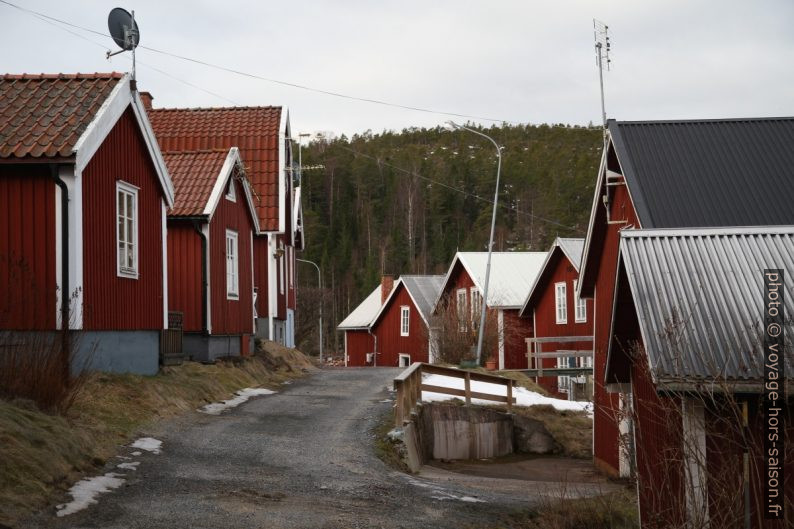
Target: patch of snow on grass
{"type": "Point", "coordinates": [136, 453]}
{"type": "Point", "coordinates": [149, 444]}
{"type": "Point", "coordinates": [241, 396]}
{"type": "Point", "coordinates": [85, 491]}
{"type": "Point", "coordinates": [523, 396]}
{"type": "Point", "coordinates": [133, 465]}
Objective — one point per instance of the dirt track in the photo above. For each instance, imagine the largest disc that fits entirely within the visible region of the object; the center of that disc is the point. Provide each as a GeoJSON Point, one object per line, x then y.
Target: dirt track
{"type": "Point", "coordinates": [300, 458]}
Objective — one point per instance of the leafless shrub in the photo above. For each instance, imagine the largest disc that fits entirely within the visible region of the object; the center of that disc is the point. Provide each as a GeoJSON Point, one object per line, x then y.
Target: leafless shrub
{"type": "Point", "coordinates": [455, 340]}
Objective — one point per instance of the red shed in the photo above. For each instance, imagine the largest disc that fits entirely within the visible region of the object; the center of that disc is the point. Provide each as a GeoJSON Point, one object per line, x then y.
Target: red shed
{"type": "Point", "coordinates": [210, 259]}
{"type": "Point", "coordinates": [670, 174]}
{"type": "Point", "coordinates": [557, 312]}
{"type": "Point", "coordinates": [359, 339]}
{"type": "Point", "coordinates": [262, 134]}
{"type": "Point", "coordinates": [512, 276]}
{"type": "Point", "coordinates": [688, 347]}
{"type": "Point", "coordinates": [83, 199]}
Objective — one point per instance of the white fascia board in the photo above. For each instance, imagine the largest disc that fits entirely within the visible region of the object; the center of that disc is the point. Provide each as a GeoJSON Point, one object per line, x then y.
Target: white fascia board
{"type": "Point", "coordinates": [447, 277]}
{"type": "Point", "coordinates": [153, 147]}
{"type": "Point", "coordinates": [391, 295]}
{"type": "Point", "coordinates": [205, 229]}
{"type": "Point", "coordinates": [164, 236]}
{"type": "Point", "coordinates": [284, 127]}
{"type": "Point", "coordinates": [249, 198]}
{"type": "Point", "coordinates": [593, 210]}
{"type": "Point", "coordinates": [546, 261]}
{"type": "Point", "coordinates": [232, 158]}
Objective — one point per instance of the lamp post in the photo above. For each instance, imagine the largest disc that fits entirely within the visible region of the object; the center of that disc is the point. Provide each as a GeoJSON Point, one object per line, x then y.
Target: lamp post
{"type": "Point", "coordinates": [484, 302]}
{"type": "Point", "coordinates": [320, 286]}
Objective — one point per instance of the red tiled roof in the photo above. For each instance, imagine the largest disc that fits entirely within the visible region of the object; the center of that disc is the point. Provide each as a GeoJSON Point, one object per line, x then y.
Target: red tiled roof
{"type": "Point", "coordinates": [254, 130]}
{"type": "Point", "coordinates": [194, 174]}
{"type": "Point", "coordinates": [44, 115]}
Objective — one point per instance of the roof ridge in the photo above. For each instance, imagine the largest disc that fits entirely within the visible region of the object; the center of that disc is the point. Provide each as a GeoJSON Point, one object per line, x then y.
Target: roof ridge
{"type": "Point", "coordinates": [720, 231]}
{"type": "Point", "coordinates": [197, 151]}
{"type": "Point", "coordinates": [701, 120]}
{"type": "Point", "coordinates": [56, 76]}
{"type": "Point", "coordinates": [206, 109]}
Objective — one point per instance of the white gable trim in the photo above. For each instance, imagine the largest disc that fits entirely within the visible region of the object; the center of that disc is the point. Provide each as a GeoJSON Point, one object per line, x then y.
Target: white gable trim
{"type": "Point", "coordinates": [106, 118]}
{"type": "Point", "coordinates": [232, 160]}
{"type": "Point", "coordinates": [388, 300]}
{"type": "Point", "coordinates": [282, 169]}
{"type": "Point", "coordinates": [593, 210]}
{"type": "Point", "coordinates": [554, 248]}
{"type": "Point", "coordinates": [297, 218]}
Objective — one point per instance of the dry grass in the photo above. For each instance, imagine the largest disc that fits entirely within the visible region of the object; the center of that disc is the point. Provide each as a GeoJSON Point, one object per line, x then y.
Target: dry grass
{"type": "Point", "coordinates": [572, 429]}
{"type": "Point", "coordinates": [43, 453]}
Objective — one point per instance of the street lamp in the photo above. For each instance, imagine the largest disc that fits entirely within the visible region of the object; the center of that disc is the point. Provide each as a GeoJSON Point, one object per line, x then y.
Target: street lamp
{"type": "Point", "coordinates": [320, 286]}
{"type": "Point", "coordinates": [451, 125]}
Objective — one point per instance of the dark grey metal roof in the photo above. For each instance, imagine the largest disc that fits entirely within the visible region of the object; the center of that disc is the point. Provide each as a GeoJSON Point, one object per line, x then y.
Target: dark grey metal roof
{"type": "Point", "coordinates": [708, 173]}
{"type": "Point", "coordinates": [699, 299]}
{"type": "Point", "coordinates": [424, 291]}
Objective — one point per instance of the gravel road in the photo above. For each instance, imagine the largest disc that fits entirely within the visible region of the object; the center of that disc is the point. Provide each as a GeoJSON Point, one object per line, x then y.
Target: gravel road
{"type": "Point", "coordinates": [300, 458]}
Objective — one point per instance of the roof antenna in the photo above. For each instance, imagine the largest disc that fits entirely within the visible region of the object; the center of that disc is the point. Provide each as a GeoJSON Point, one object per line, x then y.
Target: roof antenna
{"type": "Point", "coordinates": [602, 48]}
{"type": "Point", "coordinates": [125, 34]}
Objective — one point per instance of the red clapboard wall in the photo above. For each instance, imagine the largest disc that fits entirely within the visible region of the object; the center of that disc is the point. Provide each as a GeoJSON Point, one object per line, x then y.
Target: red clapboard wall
{"type": "Point", "coordinates": [184, 273]}
{"type": "Point", "coordinates": [231, 316]}
{"type": "Point", "coordinates": [358, 344]}
{"type": "Point", "coordinates": [27, 248]}
{"type": "Point", "coordinates": [112, 302]}
{"type": "Point", "coordinates": [387, 329]}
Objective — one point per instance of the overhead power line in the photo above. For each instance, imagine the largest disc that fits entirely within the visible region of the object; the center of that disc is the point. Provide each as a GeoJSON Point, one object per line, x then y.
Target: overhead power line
{"type": "Point", "coordinates": [267, 79]}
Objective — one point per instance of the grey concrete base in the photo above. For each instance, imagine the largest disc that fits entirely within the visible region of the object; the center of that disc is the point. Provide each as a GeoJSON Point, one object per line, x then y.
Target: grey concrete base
{"type": "Point", "coordinates": [279, 331]}
{"type": "Point", "coordinates": [117, 351]}
{"type": "Point", "coordinates": [263, 328]}
{"type": "Point", "coordinates": [203, 348]}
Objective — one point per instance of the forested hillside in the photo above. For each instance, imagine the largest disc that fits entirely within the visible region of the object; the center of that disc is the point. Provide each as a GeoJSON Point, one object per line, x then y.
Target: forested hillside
{"type": "Point", "coordinates": [404, 203]}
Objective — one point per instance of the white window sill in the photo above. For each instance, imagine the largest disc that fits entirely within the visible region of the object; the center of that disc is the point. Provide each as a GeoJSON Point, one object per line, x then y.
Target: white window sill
{"type": "Point", "coordinates": [232, 297]}
{"type": "Point", "coordinates": [127, 275]}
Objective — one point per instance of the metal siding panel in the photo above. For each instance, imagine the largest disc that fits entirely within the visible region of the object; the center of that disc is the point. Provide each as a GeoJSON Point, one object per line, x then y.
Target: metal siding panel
{"type": "Point", "coordinates": [231, 316]}
{"type": "Point", "coordinates": [112, 302]}
{"type": "Point", "coordinates": [27, 248]}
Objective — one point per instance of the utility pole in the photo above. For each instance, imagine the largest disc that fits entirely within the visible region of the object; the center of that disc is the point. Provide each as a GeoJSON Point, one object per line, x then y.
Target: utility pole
{"type": "Point", "coordinates": [602, 48]}
{"type": "Point", "coordinates": [320, 287]}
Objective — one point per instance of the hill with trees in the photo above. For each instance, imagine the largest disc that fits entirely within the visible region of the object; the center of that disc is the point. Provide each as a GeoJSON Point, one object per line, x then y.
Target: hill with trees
{"type": "Point", "coordinates": [405, 202]}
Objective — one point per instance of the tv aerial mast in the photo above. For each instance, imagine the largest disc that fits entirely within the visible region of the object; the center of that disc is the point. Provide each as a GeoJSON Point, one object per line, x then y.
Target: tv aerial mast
{"type": "Point", "coordinates": [603, 47]}
{"type": "Point", "coordinates": [124, 31]}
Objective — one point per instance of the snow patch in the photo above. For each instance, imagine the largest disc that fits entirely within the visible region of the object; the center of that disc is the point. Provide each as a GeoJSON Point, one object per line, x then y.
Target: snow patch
{"type": "Point", "coordinates": [440, 493]}
{"type": "Point", "coordinates": [85, 491]}
{"type": "Point", "coordinates": [523, 396]}
{"type": "Point", "coordinates": [241, 396]}
{"type": "Point", "coordinates": [150, 444]}
{"type": "Point", "coordinates": [136, 453]}
{"type": "Point", "coordinates": [133, 465]}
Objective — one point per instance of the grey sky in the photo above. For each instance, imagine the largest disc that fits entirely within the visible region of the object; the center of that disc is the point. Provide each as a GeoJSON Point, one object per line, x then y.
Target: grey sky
{"type": "Point", "coordinates": [523, 61]}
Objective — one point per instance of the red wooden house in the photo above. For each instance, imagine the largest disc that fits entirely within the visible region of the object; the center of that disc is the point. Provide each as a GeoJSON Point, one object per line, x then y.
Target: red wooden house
{"type": "Point", "coordinates": [210, 259]}
{"type": "Point", "coordinates": [512, 276]}
{"type": "Point", "coordinates": [688, 347]}
{"type": "Point", "coordinates": [83, 199]}
{"type": "Point", "coordinates": [359, 339]}
{"type": "Point", "coordinates": [672, 174]}
{"type": "Point", "coordinates": [401, 328]}
{"type": "Point", "coordinates": [262, 134]}
{"type": "Point", "coordinates": [557, 313]}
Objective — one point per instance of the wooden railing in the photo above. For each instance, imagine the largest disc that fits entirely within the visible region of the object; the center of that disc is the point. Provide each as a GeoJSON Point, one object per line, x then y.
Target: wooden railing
{"type": "Point", "coordinates": [409, 388]}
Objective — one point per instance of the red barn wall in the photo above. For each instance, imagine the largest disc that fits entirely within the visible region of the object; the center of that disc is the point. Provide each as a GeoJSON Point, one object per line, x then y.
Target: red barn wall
{"type": "Point", "coordinates": [516, 330]}
{"type": "Point", "coordinates": [358, 343]}
{"type": "Point", "coordinates": [184, 273]}
{"type": "Point", "coordinates": [605, 429]}
{"type": "Point", "coordinates": [111, 302]}
{"type": "Point", "coordinates": [387, 329]}
{"type": "Point", "coordinates": [231, 316]}
{"type": "Point", "coordinates": [27, 248]}
{"type": "Point", "coordinates": [261, 249]}
{"type": "Point", "coordinates": [546, 315]}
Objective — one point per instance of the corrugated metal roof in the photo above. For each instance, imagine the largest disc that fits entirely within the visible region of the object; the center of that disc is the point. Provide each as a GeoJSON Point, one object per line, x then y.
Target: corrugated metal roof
{"type": "Point", "coordinates": [708, 173]}
{"type": "Point", "coordinates": [254, 130]}
{"type": "Point", "coordinates": [699, 298]}
{"type": "Point", "coordinates": [424, 291]}
{"type": "Point", "coordinates": [573, 249]}
{"type": "Point", "coordinates": [363, 315]}
{"type": "Point", "coordinates": [44, 115]}
{"type": "Point", "coordinates": [512, 275]}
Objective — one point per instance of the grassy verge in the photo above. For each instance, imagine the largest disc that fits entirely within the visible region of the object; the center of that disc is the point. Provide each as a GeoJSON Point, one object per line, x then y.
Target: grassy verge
{"type": "Point", "coordinates": [572, 429]}
{"type": "Point", "coordinates": [388, 450]}
{"type": "Point", "coordinates": [44, 453]}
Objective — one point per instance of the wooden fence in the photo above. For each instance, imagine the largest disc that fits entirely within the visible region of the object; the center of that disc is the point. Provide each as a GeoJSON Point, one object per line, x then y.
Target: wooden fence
{"type": "Point", "coordinates": [409, 388]}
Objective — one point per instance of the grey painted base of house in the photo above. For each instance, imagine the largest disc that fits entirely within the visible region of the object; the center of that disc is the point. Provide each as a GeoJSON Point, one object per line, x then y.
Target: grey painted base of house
{"type": "Point", "coordinates": [263, 328]}
{"type": "Point", "coordinates": [117, 352]}
{"type": "Point", "coordinates": [208, 348]}
{"type": "Point", "coordinates": [279, 331]}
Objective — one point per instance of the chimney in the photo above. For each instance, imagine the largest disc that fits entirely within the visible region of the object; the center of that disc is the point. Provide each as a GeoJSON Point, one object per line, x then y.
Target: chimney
{"type": "Point", "coordinates": [386, 285]}
{"type": "Point", "coordinates": [146, 97]}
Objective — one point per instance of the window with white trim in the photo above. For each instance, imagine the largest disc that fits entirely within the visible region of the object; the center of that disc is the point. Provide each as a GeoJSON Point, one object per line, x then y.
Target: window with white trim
{"type": "Point", "coordinates": [405, 360]}
{"type": "Point", "coordinates": [127, 230]}
{"type": "Point", "coordinates": [564, 382]}
{"type": "Point", "coordinates": [581, 306]}
{"type": "Point", "coordinates": [561, 303]}
{"type": "Point", "coordinates": [476, 306]}
{"type": "Point", "coordinates": [232, 268]}
{"type": "Point", "coordinates": [405, 320]}
{"type": "Point", "coordinates": [230, 193]}
{"type": "Point", "coordinates": [281, 278]}
{"type": "Point", "coordinates": [291, 265]}
{"type": "Point", "coordinates": [462, 308]}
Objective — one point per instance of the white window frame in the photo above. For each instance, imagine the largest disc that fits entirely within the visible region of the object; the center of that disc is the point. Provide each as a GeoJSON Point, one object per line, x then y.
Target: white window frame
{"type": "Point", "coordinates": [232, 253]}
{"type": "Point", "coordinates": [580, 313]}
{"type": "Point", "coordinates": [475, 308]}
{"type": "Point", "coordinates": [561, 303]}
{"type": "Point", "coordinates": [281, 278]}
{"type": "Point", "coordinates": [231, 193]}
{"type": "Point", "coordinates": [291, 265]}
{"type": "Point", "coordinates": [462, 309]}
{"type": "Point", "coordinates": [125, 189]}
{"type": "Point", "coordinates": [405, 320]}
{"type": "Point", "coordinates": [564, 382]}
{"type": "Point", "coordinates": [404, 357]}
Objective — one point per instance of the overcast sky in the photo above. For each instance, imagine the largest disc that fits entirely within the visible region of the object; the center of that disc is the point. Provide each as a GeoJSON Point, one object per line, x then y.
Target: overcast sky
{"type": "Point", "coordinates": [523, 61]}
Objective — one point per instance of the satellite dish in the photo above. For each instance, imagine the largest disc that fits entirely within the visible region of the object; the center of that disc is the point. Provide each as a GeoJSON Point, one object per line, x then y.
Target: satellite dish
{"type": "Point", "coordinates": [123, 29]}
